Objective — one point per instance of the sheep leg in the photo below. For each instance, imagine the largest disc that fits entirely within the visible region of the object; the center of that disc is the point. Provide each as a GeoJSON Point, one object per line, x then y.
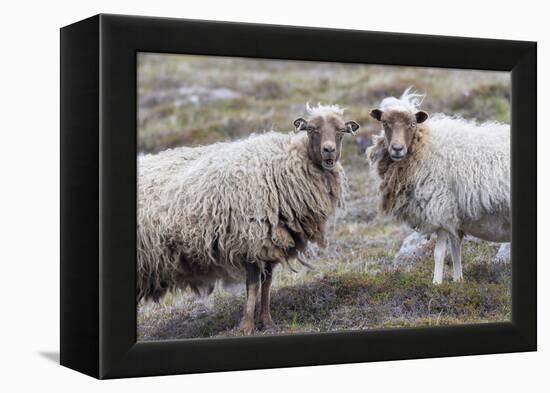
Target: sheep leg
{"type": "Point", "coordinates": [439, 256]}
{"type": "Point", "coordinates": [456, 253]}
{"type": "Point", "coordinates": [252, 288]}
{"type": "Point", "coordinates": [265, 313]}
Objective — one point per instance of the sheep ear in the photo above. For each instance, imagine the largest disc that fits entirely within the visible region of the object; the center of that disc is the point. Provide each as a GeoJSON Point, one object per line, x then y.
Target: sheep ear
{"type": "Point", "coordinates": [352, 126]}
{"type": "Point", "coordinates": [300, 124]}
{"type": "Point", "coordinates": [376, 114]}
{"type": "Point", "coordinates": [421, 116]}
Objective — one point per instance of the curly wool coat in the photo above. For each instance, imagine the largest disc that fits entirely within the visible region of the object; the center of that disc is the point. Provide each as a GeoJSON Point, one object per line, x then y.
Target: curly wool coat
{"type": "Point", "coordinates": [456, 176]}
{"type": "Point", "coordinates": [203, 213]}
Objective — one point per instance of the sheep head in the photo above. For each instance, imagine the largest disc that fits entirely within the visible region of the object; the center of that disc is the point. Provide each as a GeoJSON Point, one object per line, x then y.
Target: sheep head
{"type": "Point", "coordinates": [325, 130]}
{"type": "Point", "coordinates": [399, 118]}
{"type": "Point", "coordinates": [399, 129]}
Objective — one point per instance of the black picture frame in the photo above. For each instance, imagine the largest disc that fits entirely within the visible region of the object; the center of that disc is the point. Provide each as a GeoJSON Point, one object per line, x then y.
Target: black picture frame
{"type": "Point", "coordinates": [98, 195]}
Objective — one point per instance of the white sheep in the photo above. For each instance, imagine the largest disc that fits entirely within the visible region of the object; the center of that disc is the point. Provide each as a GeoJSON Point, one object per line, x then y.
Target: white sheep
{"type": "Point", "coordinates": [444, 174]}
{"type": "Point", "coordinates": [233, 210]}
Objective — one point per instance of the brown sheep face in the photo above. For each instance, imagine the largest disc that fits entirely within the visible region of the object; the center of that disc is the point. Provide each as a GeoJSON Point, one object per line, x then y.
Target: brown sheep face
{"type": "Point", "coordinates": [399, 129]}
{"type": "Point", "coordinates": [325, 135]}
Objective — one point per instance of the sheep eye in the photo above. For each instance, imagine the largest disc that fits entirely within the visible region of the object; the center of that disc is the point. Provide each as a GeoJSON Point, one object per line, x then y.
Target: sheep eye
{"type": "Point", "coordinates": [310, 129]}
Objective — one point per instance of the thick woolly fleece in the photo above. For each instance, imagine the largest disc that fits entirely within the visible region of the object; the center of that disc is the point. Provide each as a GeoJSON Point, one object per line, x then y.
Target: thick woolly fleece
{"type": "Point", "coordinates": [203, 213]}
{"type": "Point", "coordinates": [456, 172]}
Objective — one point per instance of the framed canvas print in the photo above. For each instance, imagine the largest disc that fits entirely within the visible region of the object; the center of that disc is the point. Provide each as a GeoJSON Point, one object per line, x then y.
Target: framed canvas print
{"type": "Point", "coordinates": [239, 196]}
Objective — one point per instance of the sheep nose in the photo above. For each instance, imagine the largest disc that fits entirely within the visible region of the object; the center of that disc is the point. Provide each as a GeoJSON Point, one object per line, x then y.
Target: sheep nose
{"type": "Point", "coordinates": [397, 147]}
{"type": "Point", "coordinates": [329, 149]}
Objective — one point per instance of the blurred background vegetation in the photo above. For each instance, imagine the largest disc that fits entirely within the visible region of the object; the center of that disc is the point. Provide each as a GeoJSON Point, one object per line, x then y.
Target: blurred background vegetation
{"type": "Point", "coordinates": [190, 100]}
{"type": "Point", "coordinates": [195, 100]}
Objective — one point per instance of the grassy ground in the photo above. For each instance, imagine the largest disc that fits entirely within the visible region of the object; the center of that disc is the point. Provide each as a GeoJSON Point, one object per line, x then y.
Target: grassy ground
{"type": "Point", "coordinates": [186, 100]}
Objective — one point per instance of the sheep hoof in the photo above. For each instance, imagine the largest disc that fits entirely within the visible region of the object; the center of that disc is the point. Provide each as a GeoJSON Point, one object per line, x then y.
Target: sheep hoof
{"type": "Point", "coordinates": [458, 279]}
{"type": "Point", "coordinates": [247, 327]}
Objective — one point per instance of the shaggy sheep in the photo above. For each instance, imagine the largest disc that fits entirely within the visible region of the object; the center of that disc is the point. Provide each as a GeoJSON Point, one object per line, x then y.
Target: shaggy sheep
{"type": "Point", "coordinates": [236, 209]}
{"type": "Point", "coordinates": [445, 175]}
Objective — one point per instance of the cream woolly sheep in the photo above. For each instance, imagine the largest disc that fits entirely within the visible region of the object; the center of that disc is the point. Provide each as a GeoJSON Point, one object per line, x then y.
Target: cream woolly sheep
{"type": "Point", "coordinates": [445, 175]}
{"type": "Point", "coordinates": [236, 209]}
